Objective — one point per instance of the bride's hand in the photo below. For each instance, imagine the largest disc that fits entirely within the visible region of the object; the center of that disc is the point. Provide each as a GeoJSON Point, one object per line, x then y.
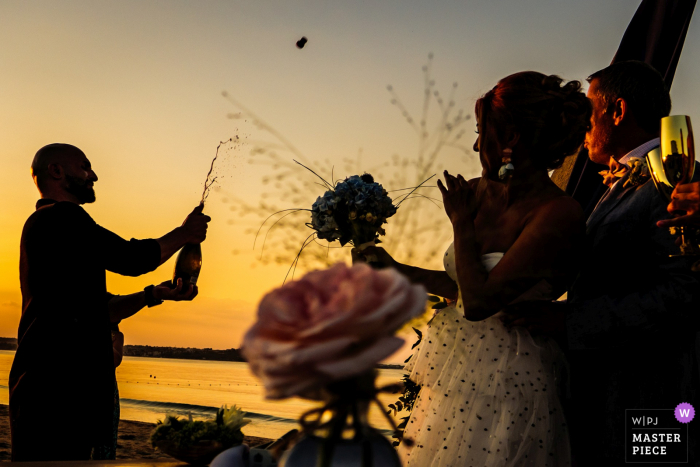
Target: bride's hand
{"type": "Point", "coordinates": [458, 198]}
{"type": "Point", "coordinates": [379, 253]}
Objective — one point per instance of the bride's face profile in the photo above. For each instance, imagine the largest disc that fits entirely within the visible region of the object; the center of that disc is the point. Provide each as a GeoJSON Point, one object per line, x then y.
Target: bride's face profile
{"type": "Point", "coordinates": [488, 147]}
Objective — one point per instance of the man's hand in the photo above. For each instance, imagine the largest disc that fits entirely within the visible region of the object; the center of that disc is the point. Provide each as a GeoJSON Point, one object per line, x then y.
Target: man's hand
{"type": "Point", "coordinates": [193, 230]}
{"type": "Point", "coordinates": [163, 291]}
{"type": "Point", "coordinates": [538, 317]}
{"type": "Point", "coordinates": [195, 226]}
{"type": "Point", "coordinates": [685, 197]}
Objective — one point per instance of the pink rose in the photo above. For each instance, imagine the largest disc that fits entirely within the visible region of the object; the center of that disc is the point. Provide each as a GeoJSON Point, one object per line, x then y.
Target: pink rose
{"type": "Point", "coordinates": [327, 326]}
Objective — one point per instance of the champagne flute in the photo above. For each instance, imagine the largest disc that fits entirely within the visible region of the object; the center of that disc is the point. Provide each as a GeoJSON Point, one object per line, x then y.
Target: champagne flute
{"type": "Point", "coordinates": [673, 163]}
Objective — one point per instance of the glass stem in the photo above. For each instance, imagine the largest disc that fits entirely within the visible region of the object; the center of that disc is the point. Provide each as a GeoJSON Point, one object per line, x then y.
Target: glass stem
{"type": "Point", "coordinates": [682, 230]}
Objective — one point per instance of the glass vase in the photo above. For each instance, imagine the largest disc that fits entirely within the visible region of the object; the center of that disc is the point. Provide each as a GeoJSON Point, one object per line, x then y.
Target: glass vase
{"type": "Point", "coordinates": [341, 435]}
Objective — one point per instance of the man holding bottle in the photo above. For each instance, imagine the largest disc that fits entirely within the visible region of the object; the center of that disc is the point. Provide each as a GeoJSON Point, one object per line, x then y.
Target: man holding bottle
{"type": "Point", "coordinates": [64, 366]}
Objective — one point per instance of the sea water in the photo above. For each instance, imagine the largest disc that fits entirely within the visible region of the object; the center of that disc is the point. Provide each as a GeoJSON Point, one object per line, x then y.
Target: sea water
{"type": "Point", "coordinates": [151, 387]}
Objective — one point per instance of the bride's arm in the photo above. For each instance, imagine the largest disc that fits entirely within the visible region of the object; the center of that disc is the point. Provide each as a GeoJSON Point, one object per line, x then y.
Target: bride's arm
{"type": "Point", "coordinates": [435, 282]}
{"type": "Point", "coordinates": [541, 251]}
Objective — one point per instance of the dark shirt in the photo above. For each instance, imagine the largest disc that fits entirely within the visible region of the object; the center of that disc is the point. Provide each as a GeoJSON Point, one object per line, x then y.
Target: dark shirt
{"type": "Point", "coordinates": [64, 358]}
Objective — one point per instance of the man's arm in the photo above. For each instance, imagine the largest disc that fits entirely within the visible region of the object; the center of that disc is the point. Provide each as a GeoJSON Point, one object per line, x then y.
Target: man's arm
{"type": "Point", "coordinates": [124, 306]}
{"type": "Point", "coordinates": [136, 257]}
{"type": "Point", "coordinates": [118, 347]}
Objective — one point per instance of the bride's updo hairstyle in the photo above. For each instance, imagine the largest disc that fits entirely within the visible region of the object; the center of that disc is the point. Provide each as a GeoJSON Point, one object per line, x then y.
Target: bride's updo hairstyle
{"type": "Point", "coordinates": [551, 118]}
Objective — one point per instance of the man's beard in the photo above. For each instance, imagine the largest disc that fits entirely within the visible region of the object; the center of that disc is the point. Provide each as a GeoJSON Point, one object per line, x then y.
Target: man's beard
{"type": "Point", "coordinates": [80, 189]}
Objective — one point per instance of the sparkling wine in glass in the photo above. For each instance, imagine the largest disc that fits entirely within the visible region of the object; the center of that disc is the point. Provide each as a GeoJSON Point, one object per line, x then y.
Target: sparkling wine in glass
{"type": "Point", "coordinates": [673, 163]}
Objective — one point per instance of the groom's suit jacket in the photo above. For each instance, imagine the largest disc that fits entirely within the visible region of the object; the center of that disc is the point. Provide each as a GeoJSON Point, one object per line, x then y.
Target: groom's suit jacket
{"type": "Point", "coordinates": [632, 330]}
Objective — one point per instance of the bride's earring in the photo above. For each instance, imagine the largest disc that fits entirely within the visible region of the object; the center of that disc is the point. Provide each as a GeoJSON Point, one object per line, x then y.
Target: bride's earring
{"type": "Point", "coordinates": [507, 168]}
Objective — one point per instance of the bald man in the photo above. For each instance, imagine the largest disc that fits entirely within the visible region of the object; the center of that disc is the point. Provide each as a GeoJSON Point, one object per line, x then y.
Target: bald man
{"type": "Point", "coordinates": [62, 377]}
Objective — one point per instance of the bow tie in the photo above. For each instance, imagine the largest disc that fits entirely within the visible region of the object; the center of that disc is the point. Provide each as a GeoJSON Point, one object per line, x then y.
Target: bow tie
{"type": "Point", "coordinates": [616, 171]}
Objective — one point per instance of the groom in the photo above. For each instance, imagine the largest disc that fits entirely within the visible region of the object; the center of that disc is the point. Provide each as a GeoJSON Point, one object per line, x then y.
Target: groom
{"type": "Point", "coordinates": [630, 324]}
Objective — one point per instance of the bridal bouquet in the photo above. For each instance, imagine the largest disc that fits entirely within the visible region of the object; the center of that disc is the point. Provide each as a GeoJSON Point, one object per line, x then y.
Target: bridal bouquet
{"type": "Point", "coordinates": [353, 211]}
{"type": "Point", "coordinates": [349, 211]}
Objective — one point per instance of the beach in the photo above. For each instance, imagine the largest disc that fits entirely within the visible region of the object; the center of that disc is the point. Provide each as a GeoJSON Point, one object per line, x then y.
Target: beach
{"type": "Point", "coordinates": [151, 387]}
{"type": "Point", "coordinates": [133, 439]}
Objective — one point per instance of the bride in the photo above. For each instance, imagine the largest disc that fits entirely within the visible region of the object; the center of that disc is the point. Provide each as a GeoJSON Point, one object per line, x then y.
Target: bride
{"type": "Point", "coordinates": [489, 394]}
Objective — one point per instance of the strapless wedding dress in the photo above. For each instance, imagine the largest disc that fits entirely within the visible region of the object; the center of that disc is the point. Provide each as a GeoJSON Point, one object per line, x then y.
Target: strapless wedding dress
{"type": "Point", "coordinates": [489, 396]}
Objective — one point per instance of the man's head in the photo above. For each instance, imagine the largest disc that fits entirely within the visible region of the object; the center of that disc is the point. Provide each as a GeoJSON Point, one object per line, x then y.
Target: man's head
{"type": "Point", "coordinates": [63, 172]}
{"type": "Point", "coordinates": [629, 99]}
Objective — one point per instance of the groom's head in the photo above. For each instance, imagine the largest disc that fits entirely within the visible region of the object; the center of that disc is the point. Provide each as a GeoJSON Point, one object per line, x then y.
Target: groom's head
{"type": "Point", "coordinates": [629, 99]}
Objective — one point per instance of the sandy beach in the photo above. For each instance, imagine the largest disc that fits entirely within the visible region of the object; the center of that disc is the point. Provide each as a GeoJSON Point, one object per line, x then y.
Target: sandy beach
{"type": "Point", "coordinates": [133, 439]}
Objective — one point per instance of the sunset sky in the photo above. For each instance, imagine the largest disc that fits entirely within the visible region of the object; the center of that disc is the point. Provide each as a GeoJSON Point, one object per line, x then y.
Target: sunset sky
{"type": "Point", "coordinates": [137, 85]}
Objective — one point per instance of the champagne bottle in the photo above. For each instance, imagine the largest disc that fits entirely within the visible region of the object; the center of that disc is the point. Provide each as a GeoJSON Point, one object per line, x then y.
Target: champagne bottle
{"type": "Point", "coordinates": [188, 265]}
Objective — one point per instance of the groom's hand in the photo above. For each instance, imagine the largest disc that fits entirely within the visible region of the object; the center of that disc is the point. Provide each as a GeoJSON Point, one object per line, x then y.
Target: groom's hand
{"type": "Point", "coordinates": [685, 197]}
{"type": "Point", "coordinates": [538, 317]}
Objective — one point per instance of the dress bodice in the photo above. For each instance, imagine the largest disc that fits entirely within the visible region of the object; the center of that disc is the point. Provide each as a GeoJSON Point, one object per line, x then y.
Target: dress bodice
{"type": "Point", "coordinates": [543, 290]}
{"type": "Point", "coordinates": [489, 260]}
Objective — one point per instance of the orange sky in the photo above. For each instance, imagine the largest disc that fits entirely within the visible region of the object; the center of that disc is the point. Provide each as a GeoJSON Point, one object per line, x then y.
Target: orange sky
{"type": "Point", "coordinates": [137, 85]}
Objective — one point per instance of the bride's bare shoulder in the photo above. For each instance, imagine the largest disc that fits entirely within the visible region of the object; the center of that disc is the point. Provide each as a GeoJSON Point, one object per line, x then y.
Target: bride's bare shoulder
{"type": "Point", "coordinates": [560, 209]}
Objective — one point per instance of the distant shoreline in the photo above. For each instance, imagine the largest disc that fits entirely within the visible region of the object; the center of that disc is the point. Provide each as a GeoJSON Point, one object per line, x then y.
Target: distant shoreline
{"type": "Point", "coordinates": [184, 353]}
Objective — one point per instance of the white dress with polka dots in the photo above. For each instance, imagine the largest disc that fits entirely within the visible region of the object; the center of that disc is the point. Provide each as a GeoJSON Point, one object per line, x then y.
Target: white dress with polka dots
{"type": "Point", "coordinates": [489, 396]}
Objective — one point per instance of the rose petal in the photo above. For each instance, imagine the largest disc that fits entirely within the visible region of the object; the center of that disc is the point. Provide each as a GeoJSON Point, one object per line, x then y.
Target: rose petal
{"type": "Point", "coordinates": [328, 325]}
{"type": "Point", "coordinates": [316, 351]}
{"type": "Point", "coordinates": [413, 306]}
{"type": "Point", "coordinates": [284, 389]}
{"type": "Point", "coordinates": [362, 361]}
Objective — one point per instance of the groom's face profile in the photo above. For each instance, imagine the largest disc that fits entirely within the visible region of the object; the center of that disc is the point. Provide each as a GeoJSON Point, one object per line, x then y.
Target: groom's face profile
{"type": "Point", "coordinates": [599, 136]}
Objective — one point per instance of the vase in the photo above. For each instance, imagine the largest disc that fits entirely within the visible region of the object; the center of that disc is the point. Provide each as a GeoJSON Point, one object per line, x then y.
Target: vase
{"type": "Point", "coordinates": [341, 436]}
{"type": "Point", "coordinates": [200, 453]}
{"type": "Point", "coordinates": [237, 456]}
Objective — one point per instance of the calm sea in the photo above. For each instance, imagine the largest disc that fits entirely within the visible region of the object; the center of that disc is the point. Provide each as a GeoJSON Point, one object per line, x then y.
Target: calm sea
{"type": "Point", "coordinates": [150, 387]}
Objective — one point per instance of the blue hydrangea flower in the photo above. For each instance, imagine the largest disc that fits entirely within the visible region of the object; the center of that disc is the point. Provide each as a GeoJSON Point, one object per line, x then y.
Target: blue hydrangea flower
{"type": "Point", "coordinates": [353, 211]}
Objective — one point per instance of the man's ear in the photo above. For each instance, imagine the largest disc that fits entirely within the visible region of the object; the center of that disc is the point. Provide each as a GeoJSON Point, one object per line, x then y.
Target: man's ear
{"type": "Point", "coordinates": [55, 171]}
{"type": "Point", "coordinates": [620, 111]}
